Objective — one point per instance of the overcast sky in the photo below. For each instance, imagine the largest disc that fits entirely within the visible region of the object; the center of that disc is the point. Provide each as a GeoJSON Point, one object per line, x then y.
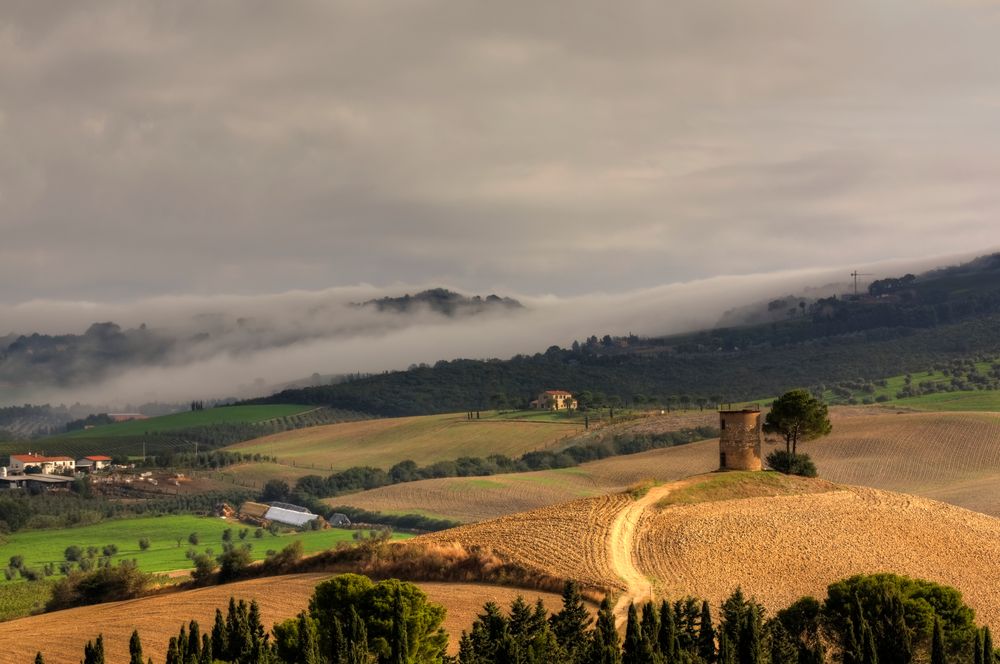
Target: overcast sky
{"type": "Point", "coordinates": [198, 148]}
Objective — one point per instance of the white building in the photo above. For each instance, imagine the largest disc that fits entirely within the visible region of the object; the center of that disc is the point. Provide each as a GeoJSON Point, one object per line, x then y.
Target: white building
{"type": "Point", "coordinates": [20, 463]}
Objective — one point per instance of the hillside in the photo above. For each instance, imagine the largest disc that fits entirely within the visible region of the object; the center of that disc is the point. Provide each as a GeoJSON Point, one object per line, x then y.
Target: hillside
{"type": "Point", "coordinates": [953, 457]}
{"type": "Point", "coordinates": [903, 325]}
{"type": "Point", "coordinates": [793, 540]}
{"type": "Point", "coordinates": [158, 618]}
{"type": "Point", "coordinates": [385, 442]}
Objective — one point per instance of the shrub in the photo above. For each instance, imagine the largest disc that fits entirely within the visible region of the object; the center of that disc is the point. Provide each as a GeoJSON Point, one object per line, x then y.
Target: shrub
{"type": "Point", "coordinates": [204, 567]}
{"type": "Point", "coordinates": [109, 550]}
{"type": "Point", "coordinates": [106, 584]}
{"type": "Point", "coordinates": [17, 562]}
{"type": "Point", "coordinates": [232, 561]}
{"type": "Point", "coordinates": [284, 559]}
{"type": "Point", "coordinates": [259, 533]}
{"type": "Point", "coordinates": [791, 464]}
{"type": "Point", "coordinates": [193, 539]}
{"type": "Point", "coordinates": [144, 543]}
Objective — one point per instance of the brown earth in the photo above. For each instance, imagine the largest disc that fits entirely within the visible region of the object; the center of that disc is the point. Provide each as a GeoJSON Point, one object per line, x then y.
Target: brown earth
{"type": "Point", "coordinates": [61, 635]}
{"type": "Point", "coordinates": [776, 548]}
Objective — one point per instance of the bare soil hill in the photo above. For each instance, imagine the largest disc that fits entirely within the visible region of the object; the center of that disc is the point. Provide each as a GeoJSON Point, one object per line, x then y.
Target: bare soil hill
{"type": "Point", "coordinates": [952, 457]}
{"type": "Point", "coordinates": [160, 617]}
{"type": "Point", "coordinates": [778, 541]}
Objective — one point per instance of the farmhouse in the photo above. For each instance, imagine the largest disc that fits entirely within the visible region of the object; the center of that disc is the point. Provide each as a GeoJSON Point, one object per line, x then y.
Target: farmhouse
{"type": "Point", "coordinates": [554, 400]}
{"type": "Point", "coordinates": [740, 439]}
{"type": "Point", "coordinates": [22, 463]}
{"type": "Point", "coordinates": [92, 463]}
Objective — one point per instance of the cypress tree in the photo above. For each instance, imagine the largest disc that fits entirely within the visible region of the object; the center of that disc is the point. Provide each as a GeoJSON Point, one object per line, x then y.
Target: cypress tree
{"type": "Point", "coordinates": [706, 634]}
{"type": "Point", "coordinates": [193, 652]}
{"type": "Point", "coordinates": [173, 657]}
{"type": "Point", "coordinates": [400, 646]}
{"type": "Point", "coordinates": [896, 647]}
{"type": "Point", "coordinates": [784, 649]}
{"type": "Point", "coordinates": [977, 657]}
{"type": "Point", "coordinates": [726, 653]}
{"type": "Point", "coordinates": [668, 635]}
{"type": "Point", "coordinates": [206, 650]}
{"type": "Point", "coordinates": [521, 619]}
{"type": "Point", "coordinates": [220, 646]}
{"type": "Point", "coordinates": [637, 650]}
{"type": "Point", "coordinates": [466, 654]}
{"type": "Point", "coordinates": [93, 653]}
{"type": "Point", "coordinates": [937, 644]}
{"type": "Point", "coordinates": [358, 640]}
{"type": "Point", "coordinates": [650, 625]}
{"type": "Point", "coordinates": [337, 643]}
{"type": "Point", "coordinates": [41, 660]}
{"type": "Point", "coordinates": [751, 638]}
{"type": "Point", "coordinates": [135, 648]}
{"type": "Point", "coordinates": [988, 655]}
{"type": "Point", "coordinates": [607, 649]}
{"type": "Point", "coordinates": [308, 649]}
{"type": "Point", "coordinates": [571, 623]}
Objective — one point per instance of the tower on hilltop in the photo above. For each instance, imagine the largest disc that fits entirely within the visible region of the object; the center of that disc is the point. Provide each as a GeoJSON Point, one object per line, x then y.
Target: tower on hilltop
{"type": "Point", "coordinates": [740, 439]}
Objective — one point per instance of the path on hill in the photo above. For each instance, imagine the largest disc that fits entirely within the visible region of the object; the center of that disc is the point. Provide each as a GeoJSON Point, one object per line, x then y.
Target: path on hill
{"type": "Point", "coordinates": [621, 545]}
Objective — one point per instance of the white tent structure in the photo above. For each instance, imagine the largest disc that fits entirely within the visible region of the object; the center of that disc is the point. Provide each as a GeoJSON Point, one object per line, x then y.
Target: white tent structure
{"type": "Point", "coordinates": [289, 515]}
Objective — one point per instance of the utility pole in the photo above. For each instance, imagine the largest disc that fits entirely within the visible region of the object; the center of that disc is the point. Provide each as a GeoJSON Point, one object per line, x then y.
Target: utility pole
{"type": "Point", "coordinates": [857, 274]}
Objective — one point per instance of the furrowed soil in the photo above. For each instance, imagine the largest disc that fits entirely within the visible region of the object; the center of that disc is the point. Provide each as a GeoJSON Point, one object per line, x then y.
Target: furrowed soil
{"type": "Point", "coordinates": [952, 457]}
{"type": "Point", "coordinates": [784, 541]}
{"type": "Point", "coordinates": [160, 617]}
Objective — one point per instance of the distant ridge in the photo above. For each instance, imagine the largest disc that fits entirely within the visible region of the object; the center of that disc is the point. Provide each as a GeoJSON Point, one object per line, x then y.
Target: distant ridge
{"type": "Point", "coordinates": [442, 301]}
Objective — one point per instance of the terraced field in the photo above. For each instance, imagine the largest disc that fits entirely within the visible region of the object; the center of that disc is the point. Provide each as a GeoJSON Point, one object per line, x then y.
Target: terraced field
{"type": "Point", "coordinates": [383, 443]}
{"type": "Point", "coordinates": [160, 617]}
{"type": "Point", "coordinates": [953, 457]}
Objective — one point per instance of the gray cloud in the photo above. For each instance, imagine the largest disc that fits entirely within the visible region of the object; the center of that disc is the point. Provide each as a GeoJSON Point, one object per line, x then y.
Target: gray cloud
{"type": "Point", "coordinates": [153, 148]}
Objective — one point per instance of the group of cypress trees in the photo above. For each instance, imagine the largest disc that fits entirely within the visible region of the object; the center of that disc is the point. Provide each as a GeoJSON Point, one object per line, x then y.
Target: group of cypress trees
{"type": "Point", "coordinates": [877, 619]}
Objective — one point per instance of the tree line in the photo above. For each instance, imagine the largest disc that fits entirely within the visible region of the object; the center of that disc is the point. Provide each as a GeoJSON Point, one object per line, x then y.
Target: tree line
{"type": "Point", "coordinates": [865, 619]}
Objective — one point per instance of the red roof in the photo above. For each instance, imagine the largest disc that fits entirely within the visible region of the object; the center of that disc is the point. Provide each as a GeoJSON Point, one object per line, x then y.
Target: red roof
{"type": "Point", "coordinates": [98, 458]}
{"type": "Point", "coordinates": [558, 392]}
{"type": "Point", "coordinates": [37, 458]}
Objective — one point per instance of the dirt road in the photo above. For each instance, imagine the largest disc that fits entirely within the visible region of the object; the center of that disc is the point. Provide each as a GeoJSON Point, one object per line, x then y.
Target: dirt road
{"type": "Point", "coordinates": [621, 545]}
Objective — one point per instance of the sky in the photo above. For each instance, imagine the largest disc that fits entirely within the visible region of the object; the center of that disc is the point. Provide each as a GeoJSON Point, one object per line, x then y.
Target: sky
{"type": "Point", "coordinates": [191, 149]}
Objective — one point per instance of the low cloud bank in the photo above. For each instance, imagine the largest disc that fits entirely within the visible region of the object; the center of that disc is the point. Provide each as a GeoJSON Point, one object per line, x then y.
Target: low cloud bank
{"type": "Point", "coordinates": [250, 344]}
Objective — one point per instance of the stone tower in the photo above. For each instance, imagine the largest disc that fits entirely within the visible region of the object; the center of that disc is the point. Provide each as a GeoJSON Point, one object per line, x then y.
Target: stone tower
{"type": "Point", "coordinates": [739, 439]}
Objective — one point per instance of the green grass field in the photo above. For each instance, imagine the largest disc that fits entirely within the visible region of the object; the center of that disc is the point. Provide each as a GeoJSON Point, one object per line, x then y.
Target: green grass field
{"type": "Point", "coordinates": [385, 442]}
{"type": "Point", "coordinates": [190, 419]}
{"type": "Point", "coordinates": [965, 400]}
{"type": "Point", "coordinates": [164, 554]}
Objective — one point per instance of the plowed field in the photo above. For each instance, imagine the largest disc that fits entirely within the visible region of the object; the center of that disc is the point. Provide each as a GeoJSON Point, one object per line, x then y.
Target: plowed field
{"type": "Point", "coordinates": [159, 618]}
{"type": "Point", "coordinates": [777, 548]}
{"type": "Point", "coordinates": [953, 457]}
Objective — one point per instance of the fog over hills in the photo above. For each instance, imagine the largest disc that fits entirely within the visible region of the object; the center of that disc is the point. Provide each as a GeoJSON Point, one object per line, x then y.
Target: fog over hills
{"type": "Point", "coordinates": [181, 348]}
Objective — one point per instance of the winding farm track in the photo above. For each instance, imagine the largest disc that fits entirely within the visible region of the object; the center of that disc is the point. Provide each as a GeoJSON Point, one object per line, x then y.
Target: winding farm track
{"type": "Point", "coordinates": [621, 546]}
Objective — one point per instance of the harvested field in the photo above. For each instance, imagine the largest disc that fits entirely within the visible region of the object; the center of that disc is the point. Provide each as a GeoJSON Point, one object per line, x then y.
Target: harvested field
{"type": "Point", "coordinates": [783, 547]}
{"type": "Point", "coordinates": [795, 541]}
{"type": "Point", "coordinates": [383, 443]}
{"type": "Point", "coordinates": [953, 457]}
{"type": "Point", "coordinates": [471, 499]}
{"type": "Point", "coordinates": [159, 618]}
{"type": "Point", "coordinates": [566, 541]}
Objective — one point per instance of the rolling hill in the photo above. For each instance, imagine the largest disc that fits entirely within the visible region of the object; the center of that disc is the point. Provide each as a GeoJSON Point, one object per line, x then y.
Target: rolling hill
{"type": "Point", "coordinates": [777, 540]}
{"type": "Point", "coordinates": [159, 617]}
{"type": "Point", "coordinates": [385, 442]}
{"type": "Point", "coordinates": [953, 457]}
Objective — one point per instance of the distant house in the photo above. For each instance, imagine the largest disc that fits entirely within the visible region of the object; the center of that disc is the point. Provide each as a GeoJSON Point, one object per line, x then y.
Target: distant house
{"type": "Point", "coordinates": [339, 520]}
{"type": "Point", "coordinates": [92, 463]}
{"type": "Point", "coordinates": [554, 400]}
{"type": "Point", "coordinates": [22, 463]}
{"type": "Point", "coordinates": [125, 417]}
